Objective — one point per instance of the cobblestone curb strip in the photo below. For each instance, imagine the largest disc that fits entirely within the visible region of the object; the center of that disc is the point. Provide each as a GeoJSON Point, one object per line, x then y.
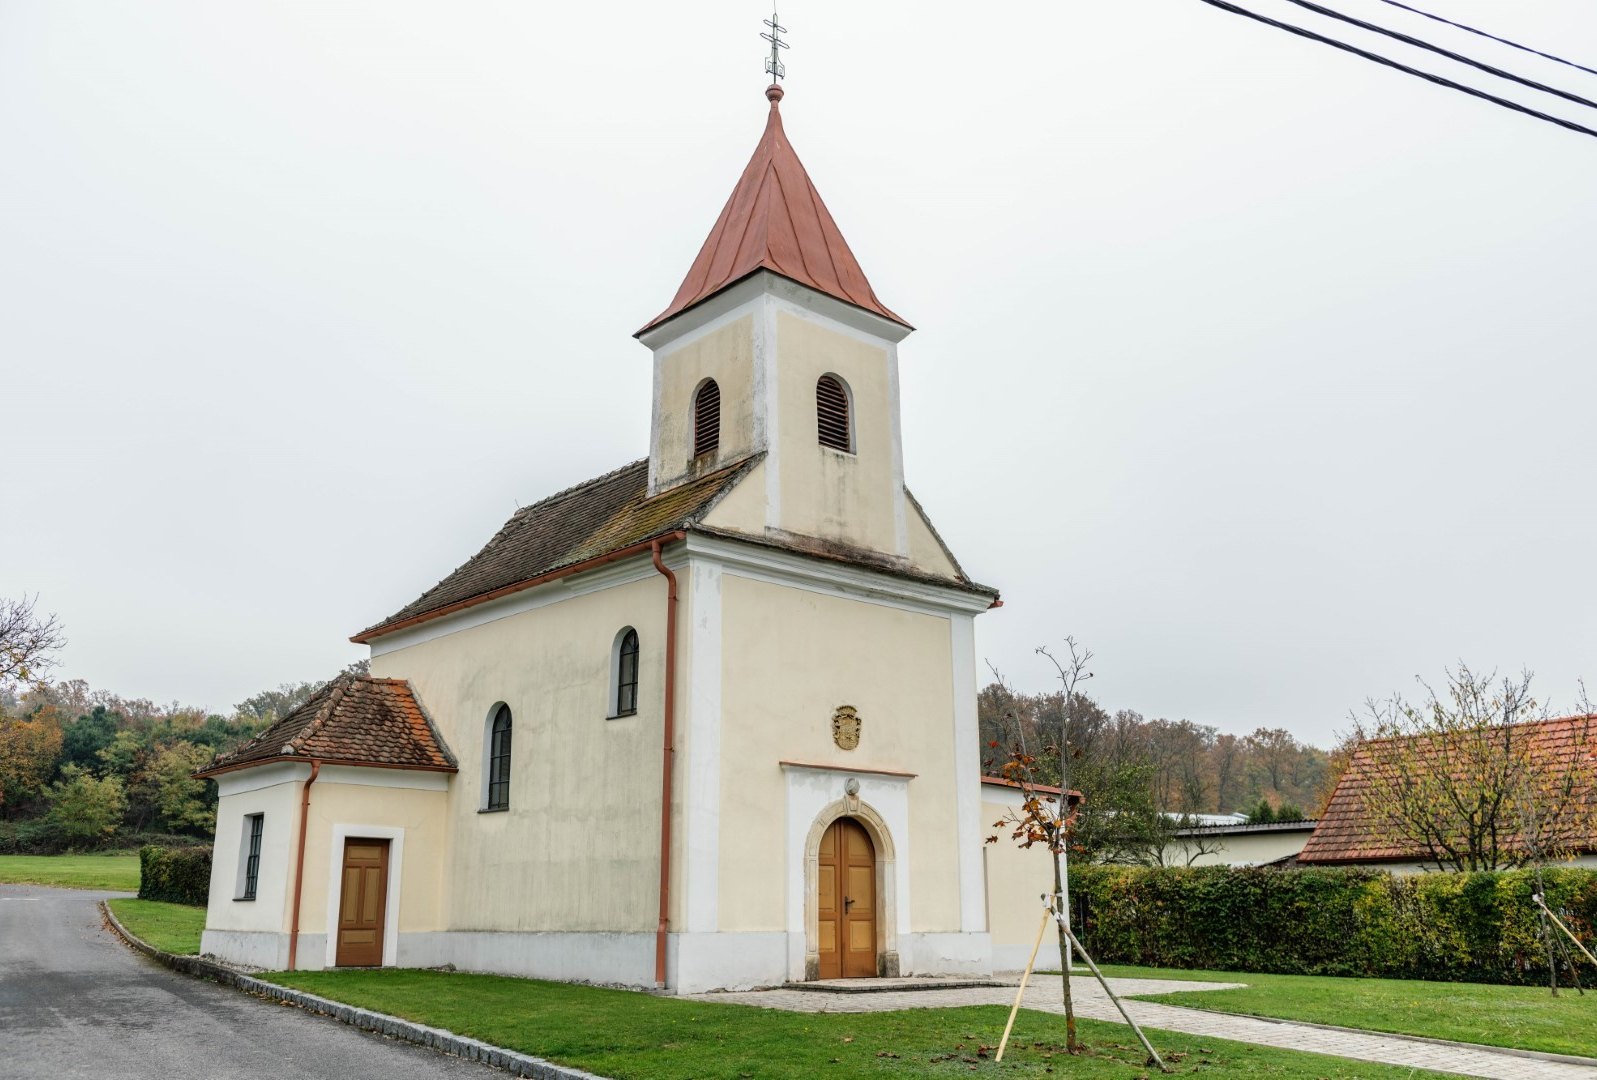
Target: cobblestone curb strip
{"type": "Point", "coordinates": [517, 1064]}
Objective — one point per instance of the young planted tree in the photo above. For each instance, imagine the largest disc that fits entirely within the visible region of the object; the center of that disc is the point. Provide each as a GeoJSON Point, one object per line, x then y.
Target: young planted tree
{"type": "Point", "coordinates": [1478, 777]}
{"type": "Point", "coordinates": [1042, 752]}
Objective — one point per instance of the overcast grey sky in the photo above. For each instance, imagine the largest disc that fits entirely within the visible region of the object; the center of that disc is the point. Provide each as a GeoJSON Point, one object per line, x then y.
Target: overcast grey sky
{"type": "Point", "coordinates": [1263, 370]}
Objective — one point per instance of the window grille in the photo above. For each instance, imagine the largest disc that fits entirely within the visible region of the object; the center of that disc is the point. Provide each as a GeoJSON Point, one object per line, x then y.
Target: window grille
{"type": "Point", "coordinates": [831, 414]}
{"type": "Point", "coordinates": [707, 419]}
{"type": "Point", "coordinates": [499, 761]}
{"type": "Point", "coordinates": [252, 861]}
{"type": "Point", "coordinates": [627, 675]}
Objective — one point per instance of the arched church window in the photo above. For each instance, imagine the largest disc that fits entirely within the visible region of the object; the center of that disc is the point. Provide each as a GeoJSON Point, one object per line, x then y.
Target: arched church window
{"type": "Point", "coordinates": [499, 760]}
{"type": "Point", "coordinates": [832, 418]}
{"type": "Point", "coordinates": [706, 418]}
{"type": "Point", "coordinates": [624, 679]}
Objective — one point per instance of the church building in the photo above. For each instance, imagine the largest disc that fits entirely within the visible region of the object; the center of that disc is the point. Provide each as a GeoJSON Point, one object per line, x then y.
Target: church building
{"type": "Point", "coordinates": [706, 721]}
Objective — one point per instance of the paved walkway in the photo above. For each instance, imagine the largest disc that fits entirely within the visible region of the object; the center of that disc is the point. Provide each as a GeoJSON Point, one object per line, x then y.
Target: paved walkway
{"type": "Point", "coordinates": [1093, 1003]}
{"type": "Point", "coordinates": [77, 1004]}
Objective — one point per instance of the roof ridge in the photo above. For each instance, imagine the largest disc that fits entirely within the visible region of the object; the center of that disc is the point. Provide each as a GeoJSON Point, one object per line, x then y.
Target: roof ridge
{"type": "Point", "coordinates": [926, 519]}
{"type": "Point", "coordinates": [335, 693]}
{"type": "Point", "coordinates": [575, 488]}
{"type": "Point", "coordinates": [438, 736]}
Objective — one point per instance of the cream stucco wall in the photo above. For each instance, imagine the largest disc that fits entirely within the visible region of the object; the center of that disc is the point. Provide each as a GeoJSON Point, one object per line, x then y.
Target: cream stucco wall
{"type": "Point", "coordinates": [727, 356]}
{"type": "Point", "coordinates": [578, 848]}
{"type": "Point", "coordinates": [1240, 848]}
{"type": "Point", "coordinates": [1016, 879]}
{"type": "Point", "coordinates": [791, 657]}
{"type": "Point", "coordinates": [925, 553]}
{"type": "Point", "coordinates": [418, 812]}
{"type": "Point", "coordinates": [277, 799]}
{"type": "Point", "coordinates": [742, 510]}
{"type": "Point", "coordinates": [855, 499]}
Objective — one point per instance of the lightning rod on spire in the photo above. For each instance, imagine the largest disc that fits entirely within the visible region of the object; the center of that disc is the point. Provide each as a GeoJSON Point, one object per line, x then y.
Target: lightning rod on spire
{"type": "Point", "coordinates": [773, 65]}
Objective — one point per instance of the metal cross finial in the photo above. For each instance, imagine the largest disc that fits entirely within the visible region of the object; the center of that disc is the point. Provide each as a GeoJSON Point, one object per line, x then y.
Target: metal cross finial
{"type": "Point", "coordinates": [774, 66]}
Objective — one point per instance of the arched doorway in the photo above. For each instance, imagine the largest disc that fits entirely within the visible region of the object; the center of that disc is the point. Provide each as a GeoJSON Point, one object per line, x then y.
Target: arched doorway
{"type": "Point", "coordinates": [846, 905]}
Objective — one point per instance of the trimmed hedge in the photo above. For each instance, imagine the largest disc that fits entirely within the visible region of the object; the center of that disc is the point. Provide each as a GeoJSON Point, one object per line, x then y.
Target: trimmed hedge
{"type": "Point", "coordinates": [177, 875]}
{"type": "Point", "coordinates": [1476, 927]}
{"type": "Point", "coordinates": [38, 836]}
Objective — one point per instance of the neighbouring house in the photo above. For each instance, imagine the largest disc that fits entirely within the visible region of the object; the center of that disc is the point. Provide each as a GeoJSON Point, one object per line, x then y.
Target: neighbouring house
{"type": "Point", "coordinates": [1236, 843]}
{"type": "Point", "coordinates": [705, 721]}
{"type": "Point", "coordinates": [1355, 830]}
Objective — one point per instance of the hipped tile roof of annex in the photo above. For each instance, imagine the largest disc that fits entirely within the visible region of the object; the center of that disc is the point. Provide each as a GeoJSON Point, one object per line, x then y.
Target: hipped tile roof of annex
{"type": "Point", "coordinates": [357, 719]}
{"type": "Point", "coordinates": [592, 519]}
{"type": "Point", "coordinates": [1349, 831]}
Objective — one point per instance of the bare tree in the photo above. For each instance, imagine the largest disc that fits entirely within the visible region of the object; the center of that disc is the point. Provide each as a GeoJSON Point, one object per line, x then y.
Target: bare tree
{"type": "Point", "coordinates": [1463, 775]}
{"type": "Point", "coordinates": [28, 642]}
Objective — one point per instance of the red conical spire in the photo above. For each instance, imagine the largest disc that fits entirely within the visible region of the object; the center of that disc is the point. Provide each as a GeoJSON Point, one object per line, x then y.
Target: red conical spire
{"type": "Point", "coordinates": [775, 220]}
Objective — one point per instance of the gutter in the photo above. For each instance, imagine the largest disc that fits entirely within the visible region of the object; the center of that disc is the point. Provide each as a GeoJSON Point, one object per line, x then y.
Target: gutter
{"type": "Point", "coordinates": [667, 757]}
{"type": "Point", "coordinates": [299, 862]}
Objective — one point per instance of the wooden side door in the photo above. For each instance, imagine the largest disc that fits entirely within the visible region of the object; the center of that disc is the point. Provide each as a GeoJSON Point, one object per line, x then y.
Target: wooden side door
{"type": "Point", "coordinates": [846, 902]}
{"type": "Point", "coordinates": [363, 904]}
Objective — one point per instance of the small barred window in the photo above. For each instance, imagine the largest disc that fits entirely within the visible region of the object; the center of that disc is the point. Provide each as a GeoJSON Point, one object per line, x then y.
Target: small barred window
{"type": "Point", "coordinates": [831, 414]}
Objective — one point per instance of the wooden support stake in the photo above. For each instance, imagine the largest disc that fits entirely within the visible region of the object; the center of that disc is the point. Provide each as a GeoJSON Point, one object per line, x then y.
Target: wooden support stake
{"type": "Point", "coordinates": [1560, 924]}
{"type": "Point", "coordinates": [1153, 1055]}
{"type": "Point", "coordinates": [1042, 928]}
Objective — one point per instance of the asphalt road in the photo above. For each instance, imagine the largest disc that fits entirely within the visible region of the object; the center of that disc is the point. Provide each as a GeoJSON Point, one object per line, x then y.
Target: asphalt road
{"type": "Point", "coordinates": [76, 1002]}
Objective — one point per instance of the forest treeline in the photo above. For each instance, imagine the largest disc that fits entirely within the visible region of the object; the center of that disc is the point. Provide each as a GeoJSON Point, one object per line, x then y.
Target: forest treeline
{"type": "Point", "coordinates": [82, 768]}
{"type": "Point", "coordinates": [1140, 776]}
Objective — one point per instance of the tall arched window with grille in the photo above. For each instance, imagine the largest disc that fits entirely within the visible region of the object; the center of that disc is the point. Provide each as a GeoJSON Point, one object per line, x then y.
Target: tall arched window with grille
{"type": "Point", "coordinates": [498, 786]}
{"type": "Point", "coordinates": [833, 421]}
{"type": "Point", "coordinates": [706, 419]}
{"type": "Point", "coordinates": [624, 674]}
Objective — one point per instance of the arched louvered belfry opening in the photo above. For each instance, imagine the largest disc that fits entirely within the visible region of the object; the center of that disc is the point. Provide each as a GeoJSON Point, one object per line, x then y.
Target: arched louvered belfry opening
{"type": "Point", "coordinates": [833, 419]}
{"type": "Point", "coordinates": [706, 419]}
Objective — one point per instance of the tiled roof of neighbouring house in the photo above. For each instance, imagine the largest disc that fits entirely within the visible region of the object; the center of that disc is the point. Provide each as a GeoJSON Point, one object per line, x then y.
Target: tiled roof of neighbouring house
{"type": "Point", "coordinates": [775, 220]}
{"type": "Point", "coordinates": [608, 514]}
{"type": "Point", "coordinates": [353, 720]}
{"type": "Point", "coordinates": [1351, 831]}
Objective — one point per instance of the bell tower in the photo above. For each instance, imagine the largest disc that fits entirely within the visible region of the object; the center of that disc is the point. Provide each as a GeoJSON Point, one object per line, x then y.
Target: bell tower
{"type": "Point", "coordinates": [776, 344]}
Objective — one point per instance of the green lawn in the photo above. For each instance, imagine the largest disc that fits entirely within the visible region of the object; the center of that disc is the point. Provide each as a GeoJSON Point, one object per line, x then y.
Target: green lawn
{"type": "Point", "coordinates": [110, 872]}
{"type": "Point", "coordinates": [1523, 1017]}
{"type": "Point", "coordinates": [173, 928]}
{"type": "Point", "coordinates": [634, 1036]}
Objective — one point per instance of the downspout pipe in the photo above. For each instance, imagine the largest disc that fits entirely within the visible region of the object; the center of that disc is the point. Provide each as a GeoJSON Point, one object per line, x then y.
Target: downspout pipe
{"type": "Point", "coordinates": [667, 759]}
{"type": "Point", "coordinates": [299, 863]}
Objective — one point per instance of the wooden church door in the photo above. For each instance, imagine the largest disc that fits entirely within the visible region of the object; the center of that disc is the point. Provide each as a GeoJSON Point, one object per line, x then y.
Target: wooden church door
{"type": "Point", "coordinates": [363, 904]}
{"type": "Point", "coordinates": [846, 902]}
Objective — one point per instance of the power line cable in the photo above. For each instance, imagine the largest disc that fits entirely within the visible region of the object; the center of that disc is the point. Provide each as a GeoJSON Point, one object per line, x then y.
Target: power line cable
{"type": "Point", "coordinates": [1388, 62]}
{"type": "Point", "coordinates": [1419, 43]}
{"type": "Point", "coordinates": [1493, 37]}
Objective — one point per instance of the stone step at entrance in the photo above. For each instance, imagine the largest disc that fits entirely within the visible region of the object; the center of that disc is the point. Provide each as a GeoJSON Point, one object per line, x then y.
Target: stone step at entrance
{"type": "Point", "coordinates": [883, 986]}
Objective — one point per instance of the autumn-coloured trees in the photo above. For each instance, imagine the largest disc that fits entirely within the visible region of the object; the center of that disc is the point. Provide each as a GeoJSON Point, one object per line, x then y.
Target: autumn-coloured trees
{"type": "Point", "coordinates": [1137, 771]}
{"type": "Point", "coordinates": [81, 767]}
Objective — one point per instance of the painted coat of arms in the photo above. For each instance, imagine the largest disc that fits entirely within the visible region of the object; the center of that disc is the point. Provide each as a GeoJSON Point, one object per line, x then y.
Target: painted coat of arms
{"type": "Point", "coordinates": [845, 727]}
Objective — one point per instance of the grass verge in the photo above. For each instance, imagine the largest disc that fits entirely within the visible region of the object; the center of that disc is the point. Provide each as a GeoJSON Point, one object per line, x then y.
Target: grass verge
{"type": "Point", "coordinates": [110, 872]}
{"type": "Point", "coordinates": [173, 928]}
{"type": "Point", "coordinates": [635, 1036]}
{"type": "Point", "coordinates": [1522, 1017]}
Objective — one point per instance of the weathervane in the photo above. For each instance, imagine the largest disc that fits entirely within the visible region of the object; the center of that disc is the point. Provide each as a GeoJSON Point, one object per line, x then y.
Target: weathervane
{"type": "Point", "coordinates": [774, 66]}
